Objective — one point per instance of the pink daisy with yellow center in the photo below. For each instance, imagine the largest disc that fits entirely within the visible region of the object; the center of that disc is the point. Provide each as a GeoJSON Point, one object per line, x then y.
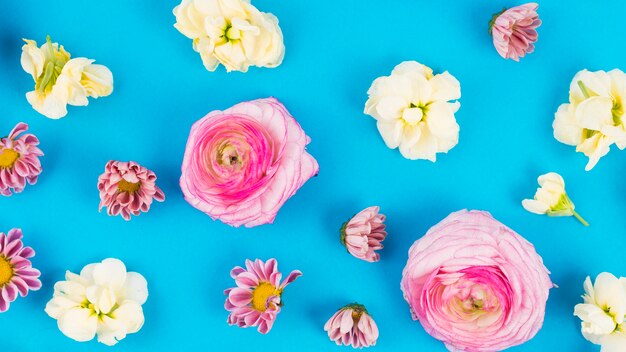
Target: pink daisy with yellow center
{"type": "Point", "coordinates": [19, 160]}
{"type": "Point", "coordinates": [127, 188]}
{"type": "Point", "coordinates": [17, 274]}
{"type": "Point", "coordinates": [256, 301]}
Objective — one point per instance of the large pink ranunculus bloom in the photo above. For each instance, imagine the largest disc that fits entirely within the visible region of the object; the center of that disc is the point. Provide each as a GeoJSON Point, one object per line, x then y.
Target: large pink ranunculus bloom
{"type": "Point", "coordinates": [514, 31]}
{"type": "Point", "coordinates": [257, 299]}
{"type": "Point", "coordinates": [19, 160]}
{"type": "Point", "coordinates": [475, 284]}
{"type": "Point", "coordinates": [242, 164]}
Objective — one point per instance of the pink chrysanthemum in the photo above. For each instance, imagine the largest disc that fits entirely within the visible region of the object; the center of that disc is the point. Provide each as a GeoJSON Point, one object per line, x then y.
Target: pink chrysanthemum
{"type": "Point", "coordinates": [256, 301]}
{"type": "Point", "coordinates": [352, 325]}
{"type": "Point", "coordinates": [19, 160]}
{"type": "Point", "coordinates": [127, 188]}
{"type": "Point", "coordinates": [363, 234]}
{"type": "Point", "coordinates": [17, 274]}
{"type": "Point", "coordinates": [514, 30]}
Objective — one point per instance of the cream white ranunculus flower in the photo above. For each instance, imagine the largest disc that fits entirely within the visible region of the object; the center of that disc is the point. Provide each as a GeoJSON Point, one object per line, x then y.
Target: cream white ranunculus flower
{"type": "Point", "coordinates": [60, 81]}
{"type": "Point", "coordinates": [415, 110]}
{"type": "Point", "coordinates": [551, 198]}
{"type": "Point", "coordinates": [593, 120]}
{"type": "Point", "coordinates": [603, 312]}
{"type": "Point", "coordinates": [104, 300]}
{"type": "Point", "coordinates": [232, 33]}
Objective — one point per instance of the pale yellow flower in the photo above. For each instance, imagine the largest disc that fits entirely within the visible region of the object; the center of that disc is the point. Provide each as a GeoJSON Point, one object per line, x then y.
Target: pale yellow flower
{"type": "Point", "coordinates": [232, 33]}
{"type": "Point", "coordinates": [59, 80]}
{"type": "Point", "coordinates": [551, 198]}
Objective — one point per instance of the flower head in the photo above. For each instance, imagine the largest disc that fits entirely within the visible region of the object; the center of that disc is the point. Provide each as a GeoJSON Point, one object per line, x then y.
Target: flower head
{"type": "Point", "coordinates": [127, 188]}
{"type": "Point", "coordinates": [551, 198]}
{"type": "Point", "coordinates": [232, 33]}
{"type": "Point", "coordinates": [60, 81]}
{"type": "Point", "coordinates": [17, 274]}
{"type": "Point", "coordinates": [19, 160]}
{"type": "Point", "coordinates": [415, 111]}
{"type": "Point", "coordinates": [257, 299]}
{"type": "Point", "coordinates": [352, 325]}
{"type": "Point", "coordinates": [242, 164]}
{"type": "Point", "coordinates": [603, 312]}
{"type": "Point", "coordinates": [363, 234]}
{"type": "Point", "coordinates": [103, 300]}
{"type": "Point", "coordinates": [514, 30]}
{"type": "Point", "coordinates": [593, 120]}
{"type": "Point", "coordinates": [475, 284]}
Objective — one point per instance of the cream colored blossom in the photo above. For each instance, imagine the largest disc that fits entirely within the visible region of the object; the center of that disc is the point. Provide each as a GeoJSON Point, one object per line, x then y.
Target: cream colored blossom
{"type": "Point", "coordinates": [593, 120]}
{"type": "Point", "coordinates": [551, 198]}
{"type": "Point", "coordinates": [415, 110]}
{"type": "Point", "coordinates": [232, 33]}
{"type": "Point", "coordinates": [603, 312]}
{"type": "Point", "coordinates": [104, 300]}
{"type": "Point", "coordinates": [60, 81]}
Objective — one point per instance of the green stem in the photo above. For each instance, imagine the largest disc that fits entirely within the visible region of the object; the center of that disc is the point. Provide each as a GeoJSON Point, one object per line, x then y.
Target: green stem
{"type": "Point", "coordinates": [580, 218]}
{"type": "Point", "coordinates": [583, 89]}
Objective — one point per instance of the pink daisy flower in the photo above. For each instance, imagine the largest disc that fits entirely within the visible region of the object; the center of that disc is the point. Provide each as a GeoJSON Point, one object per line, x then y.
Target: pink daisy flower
{"type": "Point", "coordinates": [127, 188]}
{"type": "Point", "coordinates": [256, 300]}
{"type": "Point", "coordinates": [19, 160]}
{"type": "Point", "coordinates": [17, 274]}
{"type": "Point", "coordinates": [514, 30]}
{"type": "Point", "coordinates": [364, 233]}
{"type": "Point", "coordinates": [352, 325]}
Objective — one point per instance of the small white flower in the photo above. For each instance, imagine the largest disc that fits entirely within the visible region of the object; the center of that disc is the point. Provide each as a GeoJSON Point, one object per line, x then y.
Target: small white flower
{"type": "Point", "coordinates": [104, 300]}
{"type": "Point", "coordinates": [551, 198]}
{"type": "Point", "coordinates": [415, 110]}
{"type": "Point", "coordinates": [231, 32]}
{"type": "Point", "coordinates": [60, 81]}
{"type": "Point", "coordinates": [594, 118]}
{"type": "Point", "coordinates": [604, 312]}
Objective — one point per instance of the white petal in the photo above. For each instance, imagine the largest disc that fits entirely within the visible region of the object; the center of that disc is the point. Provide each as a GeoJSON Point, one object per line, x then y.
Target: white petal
{"type": "Point", "coordinates": [610, 293]}
{"type": "Point", "coordinates": [391, 131]}
{"type": "Point", "coordinates": [391, 107]}
{"type": "Point", "coordinates": [597, 84]}
{"type": "Point", "coordinates": [135, 288]}
{"type": "Point", "coordinates": [594, 113]}
{"type": "Point", "coordinates": [410, 68]}
{"type": "Point", "coordinates": [110, 331]}
{"type": "Point", "coordinates": [425, 148]}
{"type": "Point", "coordinates": [567, 130]}
{"type": "Point", "coordinates": [32, 59]}
{"type": "Point", "coordinates": [97, 81]}
{"type": "Point", "coordinates": [445, 87]}
{"type": "Point", "coordinates": [597, 321]}
{"type": "Point", "coordinates": [111, 272]}
{"type": "Point", "coordinates": [594, 147]}
{"type": "Point", "coordinates": [614, 343]}
{"type": "Point", "coordinates": [102, 297]}
{"type": "Point", "coordinates": [554, 178]}
{"type": "Point", "coordinates": [130, 314]}
{"type": "Point", "coordinates": [78, 324]}
{"type": "Point", "coordinates": [442, 124]}
{"type": "Point", "coordinates": [52, 105]}
{"type": "Point", "coordinates": [535, 206]}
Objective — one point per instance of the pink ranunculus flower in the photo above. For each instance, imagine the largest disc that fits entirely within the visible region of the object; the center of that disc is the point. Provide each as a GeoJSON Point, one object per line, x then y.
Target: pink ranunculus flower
{"type": "Point", "coordinates": [363, 234]}
{"type": "Point", "coordinates": [514, 30]}
{"type": "Point", "coordinates": [352, 326]}
{"type": "Point", "coordinates": [127, 188]}
{"type": "Point", "coordinates": [257, 299]}
{"type": "Point", "coordinates": [475, 284]}
{"type": "Point", "coordinates": [19, 160]}
{"type": "Point", "coordinates": [242, 164]}
{"type": "Point", "coordinates": [17, 274]}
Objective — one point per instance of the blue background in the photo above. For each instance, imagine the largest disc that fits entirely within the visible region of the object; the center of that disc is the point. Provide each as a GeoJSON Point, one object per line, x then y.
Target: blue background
{"type": "Point", "coordinates": [335, 49]}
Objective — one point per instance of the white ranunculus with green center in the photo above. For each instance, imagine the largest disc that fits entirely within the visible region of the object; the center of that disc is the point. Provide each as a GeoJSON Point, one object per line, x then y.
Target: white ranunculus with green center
{"type": "Point", "coordinates": [593, 120]}
{"type": "Point", "coordinates": [603, 312]}
{"type": "Point", "coordinates": [415, 110]}
{"type": "Point", "coordinates": [104, 300]}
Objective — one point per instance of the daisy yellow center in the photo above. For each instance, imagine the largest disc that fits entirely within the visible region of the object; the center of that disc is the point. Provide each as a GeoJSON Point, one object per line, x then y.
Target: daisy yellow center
{"type": "Point", "coordinates": [129, 187]}
{"type": "Point", "coordinates": [6, 271]}
{"type": "Point", "coordinates": [8, 157]}
{"type": "Point", "coordinates": [261, 293]}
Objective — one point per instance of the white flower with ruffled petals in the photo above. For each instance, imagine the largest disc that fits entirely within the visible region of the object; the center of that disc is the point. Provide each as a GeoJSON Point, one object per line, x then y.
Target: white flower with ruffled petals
{"type": "Point", "coordinates": [104, 300]}
{"type": "Point", "coordinates": [603, 314]}
{"type": "Point", "coordinates": [415, 110]}
{"type": "Point", "coordinates": [594, 118]}
{"type": "Point", "coordinates": [231, 32]}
